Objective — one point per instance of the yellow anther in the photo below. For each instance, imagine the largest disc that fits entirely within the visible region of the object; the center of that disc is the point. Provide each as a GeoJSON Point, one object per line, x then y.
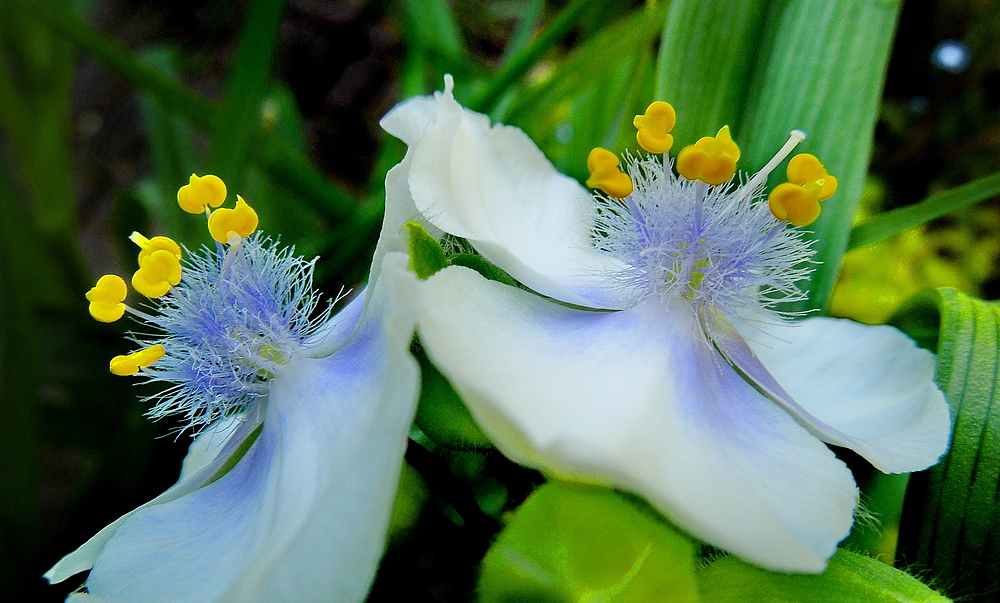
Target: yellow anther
{"type": "Point", "coordinates": [796, 203]}
{"type": "Point", "coordinates": [157, 273]}
{"type": "Point", "coordinates": [106, 298]}
{"type": "Point", "coordinates": [241, 220]}
{"type": "Point", "coordinates": [606, 175]}
{"type": "Point", "coordinates": [156, 243]}
{"type": "Point", "coordinates": [201, 191]}
{"type": "Point", "coordinates": [654, 127]}
{"type": "Point", "coordinates": [131, 363]}
{"type": "Point", "coordinates": [711, 160]}
{"type": "Point", "coordinates": [805, 168]}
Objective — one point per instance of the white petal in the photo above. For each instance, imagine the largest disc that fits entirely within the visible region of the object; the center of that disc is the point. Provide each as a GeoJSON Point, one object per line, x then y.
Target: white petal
{"type": "Point", "coordinates": [640, 400]}
{"type": "Point", "coordinates": [494, 187]}
{"type": "Point", "coordinates": [302, 516]}
{"type": "Point", "coordinates": [868, 388]}
{"type": "Point", "coordinates": [82, 559]}
{"type": "Point", "coordinates": [209, 443]}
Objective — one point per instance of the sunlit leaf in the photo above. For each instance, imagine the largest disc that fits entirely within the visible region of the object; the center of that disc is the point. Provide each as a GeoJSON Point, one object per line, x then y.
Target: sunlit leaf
{"type": "Point", "coordinates": [574, 543]}
{"type": "Point", "coordinates": [850, 578]}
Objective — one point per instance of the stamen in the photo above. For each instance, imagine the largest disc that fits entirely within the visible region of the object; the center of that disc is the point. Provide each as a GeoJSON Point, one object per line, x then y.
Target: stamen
{"type": "Point", "coordinates": [712, 159]}
{"type": "Point", "coordinates": [131, 363]}
{"type": "Point", "coordinates": [797, 201]}
{"type": "Point", "coordinates": [106, 298]}
{"type": "Point", "coordinates": [241, 220]}
{"type": "Point", "coordinates": [200, 193]}
{"type": "Point", "coordinates": [794, 138]}
{"type": "Point", "coordinates": [148, 246]}
{"type": "Point", "coordinates": [157, 273]}
{"type": "Point", "coordinates": [654, 127]}
{"type": "Point", "coordinates": [606, 175]}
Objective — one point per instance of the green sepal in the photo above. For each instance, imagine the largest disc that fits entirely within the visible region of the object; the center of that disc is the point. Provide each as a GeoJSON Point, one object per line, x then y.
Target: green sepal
{"type": "Point", "coordinates": [571, 543]}
{"type": "Point", "coordinates": [426, 254]}
{"type": "Point", "coordinates": [442, 415]}
{"type": "Point", "coordinates": [850, 578]}
{"type": "Point", "coordinates": [483, 267]}
{"type": "Point", "coordinates": [952, 513]}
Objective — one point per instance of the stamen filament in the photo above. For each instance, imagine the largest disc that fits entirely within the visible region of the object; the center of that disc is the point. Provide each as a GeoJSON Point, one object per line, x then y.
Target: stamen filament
{"type": "Point", "coordinates": [794, 138]}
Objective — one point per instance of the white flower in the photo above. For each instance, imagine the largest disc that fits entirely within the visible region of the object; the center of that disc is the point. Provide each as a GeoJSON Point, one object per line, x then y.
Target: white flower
{"type": "Point", "coordinates": [692, 392]}
{"type": "Point", "coordinates": [287, 496]}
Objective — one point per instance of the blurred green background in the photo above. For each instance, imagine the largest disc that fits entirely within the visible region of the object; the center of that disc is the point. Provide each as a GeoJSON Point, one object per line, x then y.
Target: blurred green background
{"type": "Point", "coordinates": [100, 124]}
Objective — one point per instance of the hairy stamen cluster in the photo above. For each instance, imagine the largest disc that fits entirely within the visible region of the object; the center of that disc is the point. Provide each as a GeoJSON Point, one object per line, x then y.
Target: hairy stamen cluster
{"type": "Point", "coordinates": [715, 246]}
{"type": "Point", "coordinates": [230, 326]}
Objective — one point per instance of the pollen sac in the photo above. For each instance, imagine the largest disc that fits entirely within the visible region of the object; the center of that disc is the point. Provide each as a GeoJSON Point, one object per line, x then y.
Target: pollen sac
{"type": "Point", "coordinates": [606, 175]}
{"type": "Point", "coordinates": [711, 160]}
{"type": "Point", "coordinates": [201, 191]}
{"type": "Point", "coordinates": [106, 298]}
{"type": "Point", "coordinates": [148, 246]}
{"type": "Point", "coordinates": [805, 168]}
{"type": "Point", "coordinates": [795, 203]}
{"type": "Point", "coordinates": [157, 273]}
{"type": "Point", "coordinates": [241, 220]}
{"type": "Point", "coordinates": [653, 127]}
{"type": "Point", "coordinates": [797, 200]}
{"type": "Point", "coordinates": [131, 363]}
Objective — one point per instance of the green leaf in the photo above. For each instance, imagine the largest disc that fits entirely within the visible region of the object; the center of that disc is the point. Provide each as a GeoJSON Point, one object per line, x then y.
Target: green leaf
{"type": "Point", "coordinates": [573, 543]}
{"type": "Point", "coordinates": [441, 414]}
{"type": "Point", "coordinates": [594, 94]}
{"type": "Point", "coordinates": [436, 27]}
{"type": "Point", "coordinates": [893, 222]}
{"type": "Point", "coordinates": [172, 145]}
{"type": "Point", "coordinates": [706, 76]}
{"type": "Point", "coordinates": [240, 109]}
{"type": "Point", "coordinates": [286, 165]}
{"type": "Point", "coordinates": [426, 254]}
{"type": "Point", "coordinates": [850, 578]}
{"type": "Point", "coordinates": [821, 69]}
{"type": "Point", "coordinates": [951, 520]}
{"type": "Point", "coordinates": [518, 64]}
{"type": "Point", "coordinates": [36, 71]}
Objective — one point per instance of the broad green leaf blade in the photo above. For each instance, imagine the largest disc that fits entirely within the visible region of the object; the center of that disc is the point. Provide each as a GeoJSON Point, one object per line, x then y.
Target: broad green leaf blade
{"type": "Point", "coordinates": [850, 578]}
{"type": "Point", "coordinates": [574, 543]}
{"type": "Point", "coordinates": [821, 70]}
{"type": "Point", "coordinates": [893, 222]}
{"type": "Point", "coordinates": [951, 522]}
{"type": "Point", "coordinates": [239, 111]}
{"type": "Point", "coordinates": [706, 76]}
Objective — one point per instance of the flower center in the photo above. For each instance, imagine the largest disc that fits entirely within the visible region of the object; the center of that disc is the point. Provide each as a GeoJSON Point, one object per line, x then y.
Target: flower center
{"type": "Point", "coordinates": [699, 236]}
{"type": "Point", "coordinates": [226, 324]}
